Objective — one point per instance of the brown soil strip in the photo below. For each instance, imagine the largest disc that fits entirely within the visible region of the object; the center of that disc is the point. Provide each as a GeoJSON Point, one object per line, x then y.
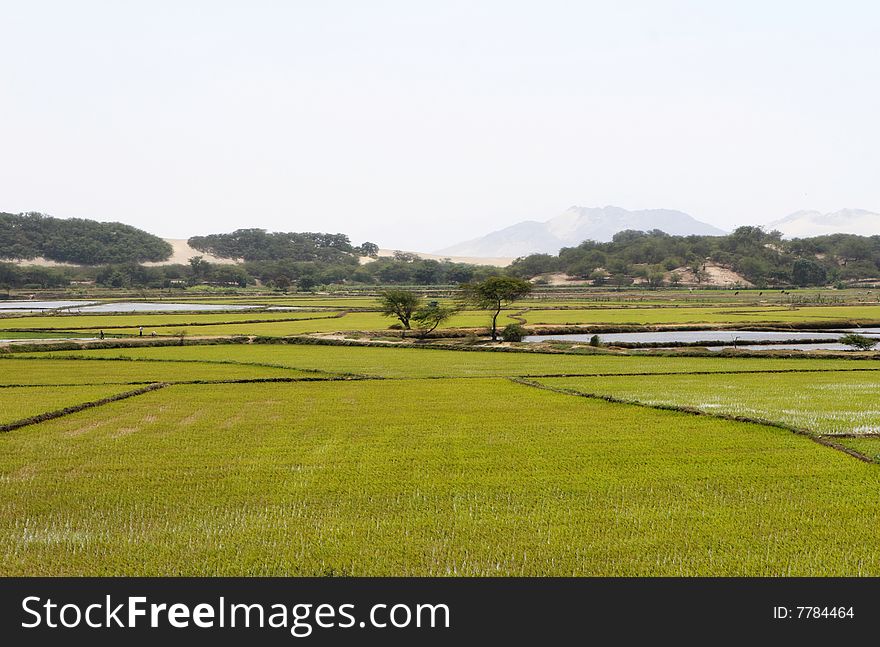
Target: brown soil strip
{"type": "Point", "coordinates": [51, 415]}
{"type": "Point", "coordinates": [746, 372]}
{"type": "Point", "coordinates": [244, 380]}
{"type": "Point", "coordinates": [282, 380]}
{"type": "Point", "coordinates": [870, 434]}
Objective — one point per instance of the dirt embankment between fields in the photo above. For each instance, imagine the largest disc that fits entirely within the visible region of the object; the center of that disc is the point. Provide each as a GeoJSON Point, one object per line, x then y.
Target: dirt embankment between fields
{"type": "Point", "coordinates": [51, 415]}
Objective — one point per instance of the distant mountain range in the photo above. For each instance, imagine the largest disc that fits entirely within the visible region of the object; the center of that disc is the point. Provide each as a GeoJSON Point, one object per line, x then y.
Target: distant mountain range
{"type": "Point", "coordinates": [574, 226]}
{"type": "Point", "coordinates": [578, 224]}
{"type": "Point", "coordinates": [805, 224]}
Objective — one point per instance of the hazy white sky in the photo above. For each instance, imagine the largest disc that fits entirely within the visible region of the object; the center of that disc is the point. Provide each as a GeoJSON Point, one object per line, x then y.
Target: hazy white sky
{"type": "Point", "coordinates": [420, 124]}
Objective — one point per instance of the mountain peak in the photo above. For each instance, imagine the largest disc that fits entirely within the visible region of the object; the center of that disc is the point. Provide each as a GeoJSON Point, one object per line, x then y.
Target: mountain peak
{"type": "Point", "coordinates": [575, 225]}
{"type": "Point", "coordinates": [804, 224]}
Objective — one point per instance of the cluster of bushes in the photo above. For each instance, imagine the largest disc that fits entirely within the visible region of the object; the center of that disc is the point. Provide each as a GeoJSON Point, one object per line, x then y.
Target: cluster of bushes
{"type": "Point", "coordinates": [290, 260]}
{"type": "Point", "coordinates": [284, 275]}
{"type": "Point", "coordinates": [403, 269]}
{"type": "Point", "coordinates": [86, 242]}
{"type": "Point", "coordinates": [32, 277]}
{"type": "Point", "coordinates": [124, 275]}
{"type": "Point", "coordinates": [110, 255]}
{"type": "Point", "coordinates": [305, 260]}
{"type": "Point", "coordinates": [260, 245]}
{"type": "Point", "coordinates": [763, 258]}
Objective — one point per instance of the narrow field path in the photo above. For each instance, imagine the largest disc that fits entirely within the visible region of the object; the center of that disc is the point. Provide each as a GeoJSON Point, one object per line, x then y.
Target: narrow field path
{"type": "Point", "coordinates": [58, 413]}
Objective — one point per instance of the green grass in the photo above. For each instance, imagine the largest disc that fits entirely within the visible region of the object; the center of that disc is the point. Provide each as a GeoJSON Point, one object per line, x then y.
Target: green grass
{"type": "Point", "coordinates": [292, 323]}
{"type": "Point", "coordinates": [17, 403]}
{"type": "Point", "coordinates": [110, 322]}
{"type": "Point", "coordinates": [594, 297]}
{"type": "Point", "coordinates": [474, 477]}
{"type": "Point", "coordinates": [424, 362]}
{"type": "Point", "coordinates": [20, 370]}
{"type": "Point", "coordinates": [448, 469]}
{"type": "Point", "coordinates": [308, 302]}
{"type": "Point", "coordinates": [351, 321]}
{"type": "Point", "coordinates": [708, 315]}
{"type": "Point", "coordinates": [234, 324]}
{"type": "Point", "coordinates": [824, 403]}
{"type": "Point", "coordinates": [869, 447]}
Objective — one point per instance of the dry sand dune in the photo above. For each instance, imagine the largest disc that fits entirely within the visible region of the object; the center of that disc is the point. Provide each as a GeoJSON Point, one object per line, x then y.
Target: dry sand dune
{"type": "Point", "coordinates": [183, 252]}
{"type": "Point", "coordinates": [498, 261]}
{"type": "Point", "coordinates": [181, 255]}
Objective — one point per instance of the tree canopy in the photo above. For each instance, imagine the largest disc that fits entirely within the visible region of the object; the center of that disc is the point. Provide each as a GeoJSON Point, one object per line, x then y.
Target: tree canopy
{"type": "Point", "coordinates": [494, 293]}
{"type": "Point", "coordinates": [401, 304]}
{"type": "Point", "coordinates": [763, 258]}
{"type": "Point", "coordinates": [27, 236]}
{"type": "Point", "coordinates": [260, 245]}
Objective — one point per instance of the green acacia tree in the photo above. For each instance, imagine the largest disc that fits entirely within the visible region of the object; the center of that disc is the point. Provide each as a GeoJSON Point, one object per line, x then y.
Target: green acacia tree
{"type": "Point", "coordinates": [401, 304]}
{"type": "Point", "coordinates": [427, 318]}
{"type": "Point", "coordinates": [494, 293]}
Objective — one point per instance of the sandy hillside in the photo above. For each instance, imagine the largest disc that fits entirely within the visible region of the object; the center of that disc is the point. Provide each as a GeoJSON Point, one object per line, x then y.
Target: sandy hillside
{"type": "Point", "coordinates": [39, 262]}
{"type": "Point", "coordinates": [499, 261]}
{"type": "Point", "coordinates": [183, 252]}
{"type": "Point", "coordinates": [180, 255]}
{"type": "Point", "coordinates": [716, 276]}
{"type": "Point", "coordinates": [559, 278]}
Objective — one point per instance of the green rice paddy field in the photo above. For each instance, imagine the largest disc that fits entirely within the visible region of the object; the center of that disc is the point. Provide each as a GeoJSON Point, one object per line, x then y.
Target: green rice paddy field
{"type": "Point", "coordinates": [340, 317]}
{"type": "Point", "coordinates": [258, 459]}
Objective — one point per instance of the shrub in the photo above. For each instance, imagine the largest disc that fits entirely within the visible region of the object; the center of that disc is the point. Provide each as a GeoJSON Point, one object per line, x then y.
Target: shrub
{"type": "Point", "coordinates": [858, 342]}
{"type": "Point", "coordinates": [513, 332]}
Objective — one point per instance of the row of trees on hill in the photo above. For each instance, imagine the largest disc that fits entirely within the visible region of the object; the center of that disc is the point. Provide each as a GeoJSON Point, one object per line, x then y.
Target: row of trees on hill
{"type": "Point", "coordinates": [260, 245]}
{"type": "Point", "coordinates": [286, 261]}
{"type": "Point", "coordinates": [31, 235]}
{"type": "Point", "coordinates": [400, 269]}
{"type": "Point", "coordinates": [110, 255]}
{"type": "Point", "coordinates": [764, 258]}
{"type": "Point", "coordinates": [283, 275]}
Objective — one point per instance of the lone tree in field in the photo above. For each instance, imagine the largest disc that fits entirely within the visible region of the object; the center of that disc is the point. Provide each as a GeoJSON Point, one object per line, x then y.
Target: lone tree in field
{"type": "Point", "coordinates": [430, 316]}
{"type": "Point", "coordinates": [858, 342]}
{"type": "Point", "coordinates": [401, 304]}
{"type": "Point", "coordinates": [494, 293]}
